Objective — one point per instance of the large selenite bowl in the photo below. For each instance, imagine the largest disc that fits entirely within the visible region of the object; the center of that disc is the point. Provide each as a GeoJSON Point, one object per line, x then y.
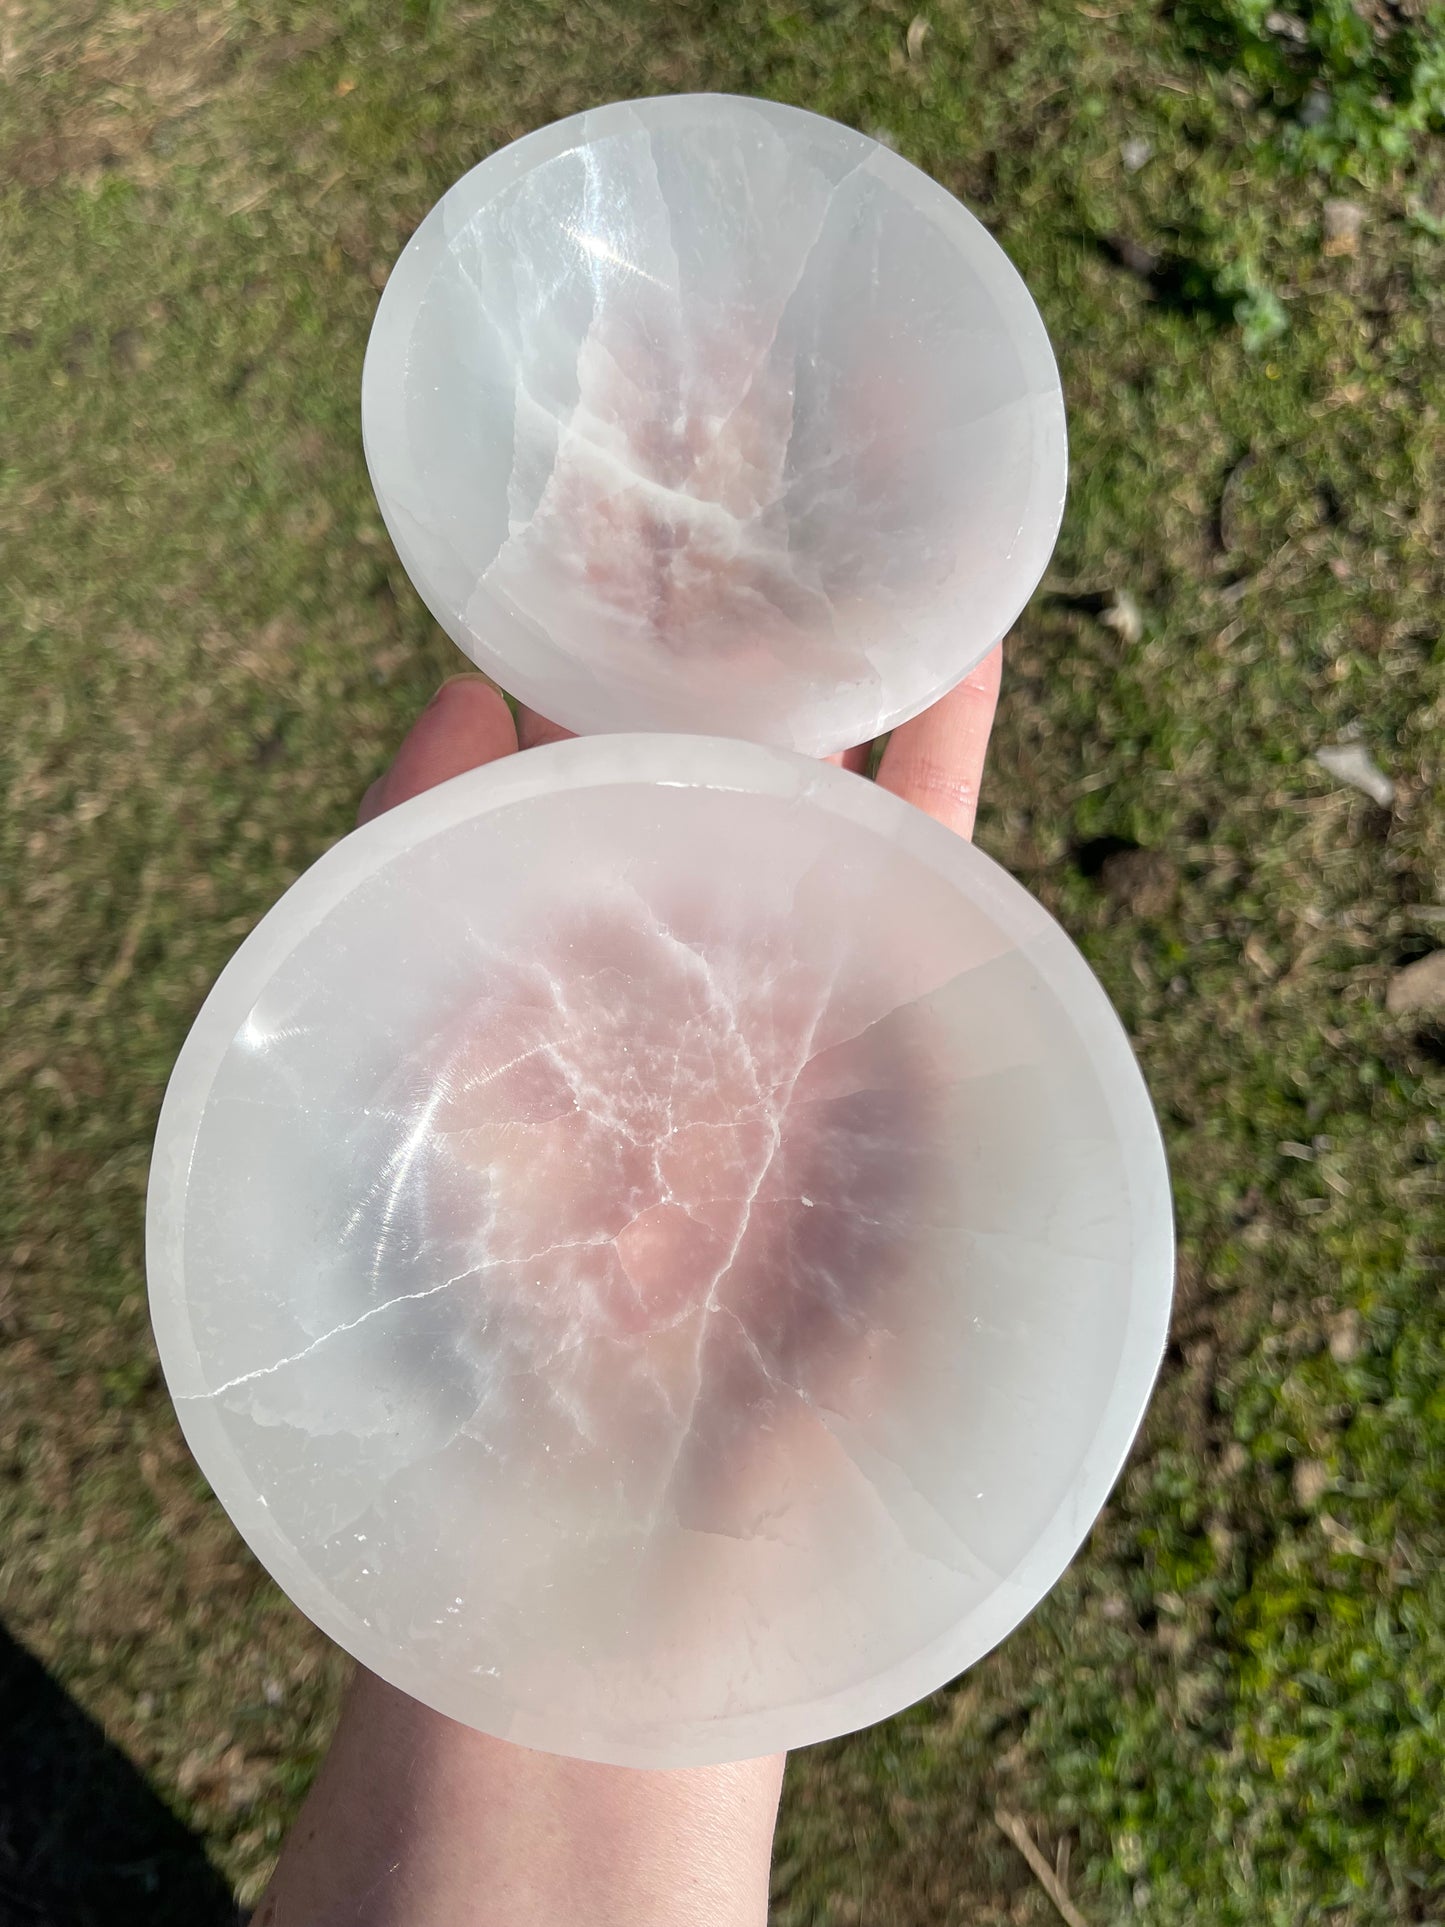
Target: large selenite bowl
{"type": "Point", "coordinates": [708, 414]}
{"type": "Point", "coordinates": [660, 1248]}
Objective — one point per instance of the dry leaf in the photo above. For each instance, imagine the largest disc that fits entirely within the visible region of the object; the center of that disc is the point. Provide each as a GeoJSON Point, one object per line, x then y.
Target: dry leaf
{"type": "Point", "coordinates": [1288, 26]}
{"type": "Point", "coordinates": [1309, 1482]}
{"type": "Point", "coordinates": [1124, 618]}
{"type": "Point", "coordinates": [1352, 763]}
{"type": "Point", "coordinates": [1347, 1338]}
{"type": "Point", "coordinates": [1259, 958]}
{"type": "Point", "coordinates": [1419, 986]}
{"type": "Point", "coordinates": [1344, 222]}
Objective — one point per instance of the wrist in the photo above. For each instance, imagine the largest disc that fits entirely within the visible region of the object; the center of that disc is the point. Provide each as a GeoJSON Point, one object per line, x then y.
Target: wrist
{"type": "Point", "coordinates": [418, 1819]}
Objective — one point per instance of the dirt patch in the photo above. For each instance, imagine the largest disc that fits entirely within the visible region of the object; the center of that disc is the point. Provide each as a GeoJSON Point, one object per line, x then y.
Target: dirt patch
{"type": "Point", "coordinates": [127, 79]}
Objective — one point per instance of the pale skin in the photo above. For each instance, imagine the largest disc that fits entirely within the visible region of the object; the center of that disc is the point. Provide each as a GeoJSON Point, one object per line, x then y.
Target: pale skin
{"type": "Point", "coordinates": [415, 1821]}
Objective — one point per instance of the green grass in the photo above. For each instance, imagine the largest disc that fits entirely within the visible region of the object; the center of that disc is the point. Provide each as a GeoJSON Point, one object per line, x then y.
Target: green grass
{"type": "Point", "coordinates": [1231, 1709]}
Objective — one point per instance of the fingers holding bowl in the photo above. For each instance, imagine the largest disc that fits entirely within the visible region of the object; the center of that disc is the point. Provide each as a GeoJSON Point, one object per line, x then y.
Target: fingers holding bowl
{"type": "Point", "coordinates": [466, 723]}
{"type": "Point", "coordinates": [935, 761]}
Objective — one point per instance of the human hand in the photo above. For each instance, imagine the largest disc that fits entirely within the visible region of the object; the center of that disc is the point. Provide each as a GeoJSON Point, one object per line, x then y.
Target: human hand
{"type": "Point", "coordinates": [416, 1819]}
{"type": "Point", "coordinates": [934, 762]}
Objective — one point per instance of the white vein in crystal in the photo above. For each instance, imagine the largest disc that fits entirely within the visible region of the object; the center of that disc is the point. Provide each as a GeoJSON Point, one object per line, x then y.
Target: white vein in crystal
{"type": "Point", "coordinates": [629, 1073]}
{"type": "Point", "coordinates": [690, 1075]}
{"type": "Point", "coordinates": [710, 1301]}
{"type": "Point", "coordinates": [741, 388]}
{"type": "Point", "coordinates": [350, 1325]}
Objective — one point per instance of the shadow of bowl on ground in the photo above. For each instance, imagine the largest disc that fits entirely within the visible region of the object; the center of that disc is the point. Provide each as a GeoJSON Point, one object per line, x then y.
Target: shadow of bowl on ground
{"type": "Point", "coordinates": [83, 1839]}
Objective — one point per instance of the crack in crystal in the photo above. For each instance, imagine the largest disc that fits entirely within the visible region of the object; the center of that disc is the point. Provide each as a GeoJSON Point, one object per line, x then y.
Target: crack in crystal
{"type": "Point", "coordinates": [710, 1301]}
{"type": "Point", "coordinates": [350, 1325]}
{"type": "Point", "coordinates": [700, 511]}
{"type": "Point", "coordinates": [726, 1039]}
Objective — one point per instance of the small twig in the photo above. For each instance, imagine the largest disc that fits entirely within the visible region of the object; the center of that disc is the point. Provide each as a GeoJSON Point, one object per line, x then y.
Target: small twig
{"type": "Point", "coordinates": [326, 186]}
{"type": "Point", "coordinates": [130, 941]}
{"type": "Point", "coordinates": [1013, 1826]}
{"type": "Point", "coordinates": [1235, 591]}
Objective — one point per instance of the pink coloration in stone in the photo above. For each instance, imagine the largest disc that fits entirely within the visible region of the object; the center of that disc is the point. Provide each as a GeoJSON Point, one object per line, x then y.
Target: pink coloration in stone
{"type": "Point", "coordinates": [660, 1248]}
{"type": "Point", "coordinates": [701, 413]}
{"type": "Point", "coordinates": [636, 1132]}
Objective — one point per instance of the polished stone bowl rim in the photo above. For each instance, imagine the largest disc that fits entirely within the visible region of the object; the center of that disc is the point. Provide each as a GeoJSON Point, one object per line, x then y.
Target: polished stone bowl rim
{"type": "Point", "coordinates": [719, 764]}
{"type": "Point", "coordinates": [394, 472]}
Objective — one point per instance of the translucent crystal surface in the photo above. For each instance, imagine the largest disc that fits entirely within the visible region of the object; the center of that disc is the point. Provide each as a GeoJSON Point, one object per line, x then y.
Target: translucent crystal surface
{"type": "Point", "coordinates": [708, 414]}
{"type": "Point", "coordinates": [660, 1248]}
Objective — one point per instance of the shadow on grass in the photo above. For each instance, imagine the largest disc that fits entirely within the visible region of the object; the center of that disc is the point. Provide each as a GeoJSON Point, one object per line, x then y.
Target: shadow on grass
{"type": "Point", "coordinates": [1179, 282]}
{"type": "Point", "coordinates": [83, 1839]}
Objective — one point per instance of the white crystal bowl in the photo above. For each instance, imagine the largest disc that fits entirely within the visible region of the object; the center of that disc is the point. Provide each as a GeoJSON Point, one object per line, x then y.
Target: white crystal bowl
{"type": "Point", "coordinates": [660, 1248]}
{"type": "Point", "coordinates": [701, 413]}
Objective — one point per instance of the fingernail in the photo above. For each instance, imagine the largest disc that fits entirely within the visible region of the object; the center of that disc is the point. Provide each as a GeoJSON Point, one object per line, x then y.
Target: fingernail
{"type": "Point", "coordinates": [464, 675]}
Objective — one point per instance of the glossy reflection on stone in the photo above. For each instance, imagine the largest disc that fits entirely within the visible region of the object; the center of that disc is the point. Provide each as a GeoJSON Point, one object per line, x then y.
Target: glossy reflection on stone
{"type": "Point", "coordinates": [666, 1182]}
{"type": "Point", "coordinates": [651, 1317]}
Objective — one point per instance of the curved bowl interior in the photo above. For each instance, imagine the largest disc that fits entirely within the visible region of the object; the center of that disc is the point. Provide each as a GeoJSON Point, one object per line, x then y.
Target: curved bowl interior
{"type": "Point", "coordinates": [702, 413]}
{"type": "Point", "coordinates": [660, 1249]}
